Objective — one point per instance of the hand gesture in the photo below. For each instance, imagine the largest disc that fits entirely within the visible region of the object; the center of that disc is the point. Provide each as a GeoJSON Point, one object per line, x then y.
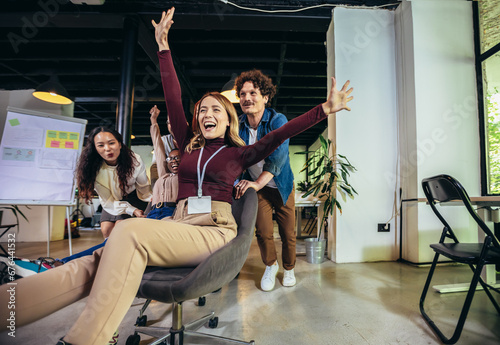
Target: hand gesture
{"type": "Point", "coordinates": [155, 112]}
{"type": "Point", "coordinates": [162, 29]}
{"type": "Point", "coordinates": [139, 213]}
{"type": "Point", "coordinates": [337, 100]}
{"type": "Point", "coordinates": [243, 185]}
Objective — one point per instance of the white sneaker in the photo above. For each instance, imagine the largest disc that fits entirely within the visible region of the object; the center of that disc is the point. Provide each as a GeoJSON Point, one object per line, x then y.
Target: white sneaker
{"type": "Point", "coordinates": [269, 277]}
{"type": "Point", "coordinates": [289, 278]}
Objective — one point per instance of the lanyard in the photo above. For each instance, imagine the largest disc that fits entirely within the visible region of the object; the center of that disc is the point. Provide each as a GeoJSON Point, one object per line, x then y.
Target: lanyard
{"type": "Point", "coordinates": [200, 178]}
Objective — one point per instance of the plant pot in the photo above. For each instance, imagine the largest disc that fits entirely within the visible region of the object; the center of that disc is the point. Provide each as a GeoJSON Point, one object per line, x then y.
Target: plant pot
{"type": "Point", "coordinates": [315, 250]}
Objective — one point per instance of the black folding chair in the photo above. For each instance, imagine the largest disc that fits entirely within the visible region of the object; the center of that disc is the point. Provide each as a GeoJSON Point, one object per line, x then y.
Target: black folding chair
{"type": "Point", "coordinates": [444, 188]}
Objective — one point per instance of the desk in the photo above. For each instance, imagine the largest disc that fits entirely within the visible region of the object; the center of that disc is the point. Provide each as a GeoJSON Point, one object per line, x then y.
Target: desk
{"type": "Point", "coordinates": [299, 204]}
{"type": "Point", "coordinates": [485, 203]}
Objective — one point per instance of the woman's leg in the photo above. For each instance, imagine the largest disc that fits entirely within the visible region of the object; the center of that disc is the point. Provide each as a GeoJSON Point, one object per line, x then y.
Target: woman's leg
{"type": "Point", "coordinates": [106, 228]}
{"type": "Point", "coordinates": [41, 294]}
{"type": "Point", "coordinates": [85, 252]}
{"type": "Point", "coordinates": [132, 246]}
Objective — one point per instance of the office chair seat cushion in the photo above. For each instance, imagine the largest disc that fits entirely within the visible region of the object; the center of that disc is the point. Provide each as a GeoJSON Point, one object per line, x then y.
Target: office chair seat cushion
{"type": "Point", "coordinates": [466, 252]}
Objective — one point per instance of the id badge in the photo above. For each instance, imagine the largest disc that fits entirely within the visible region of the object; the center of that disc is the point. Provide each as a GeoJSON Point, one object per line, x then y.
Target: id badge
{"type": "Point", "coordinates": [202, 204]}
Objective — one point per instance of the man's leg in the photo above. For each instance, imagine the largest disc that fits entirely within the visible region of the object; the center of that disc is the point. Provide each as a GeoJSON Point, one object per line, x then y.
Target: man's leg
{"type": "Point", "coordinates": [265, 228]}
{"type": "Point", "coordinates": [285, 217]}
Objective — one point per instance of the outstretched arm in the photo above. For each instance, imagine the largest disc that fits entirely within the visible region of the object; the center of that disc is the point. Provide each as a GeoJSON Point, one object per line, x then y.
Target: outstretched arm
{"type": "Point", "coordinates": [337, 101]}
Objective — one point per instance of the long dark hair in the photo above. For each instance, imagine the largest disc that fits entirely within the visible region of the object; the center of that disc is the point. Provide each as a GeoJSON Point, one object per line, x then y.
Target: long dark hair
{"type": "Point", "coordinates": [90, 163]}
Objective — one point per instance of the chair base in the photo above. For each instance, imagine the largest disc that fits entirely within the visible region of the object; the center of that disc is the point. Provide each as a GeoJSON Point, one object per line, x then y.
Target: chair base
{"type": "Point", "coordinates": [184, 333]}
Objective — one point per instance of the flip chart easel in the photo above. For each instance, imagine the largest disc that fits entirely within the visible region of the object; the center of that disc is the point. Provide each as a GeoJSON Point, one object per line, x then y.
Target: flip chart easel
{"type": "Point", "coordinates": [38, 155]}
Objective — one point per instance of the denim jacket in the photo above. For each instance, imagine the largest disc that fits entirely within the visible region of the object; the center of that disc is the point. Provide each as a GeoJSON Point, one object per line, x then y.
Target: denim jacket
{"type": "Point", "coordinates": [278, 163]}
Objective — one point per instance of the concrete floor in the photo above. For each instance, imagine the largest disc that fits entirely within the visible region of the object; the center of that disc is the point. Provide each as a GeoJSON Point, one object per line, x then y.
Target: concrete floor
{"type": "Point", "coordinates": [363, 303]}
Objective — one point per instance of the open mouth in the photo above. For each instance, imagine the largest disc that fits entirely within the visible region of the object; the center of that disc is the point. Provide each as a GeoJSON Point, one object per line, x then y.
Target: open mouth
{"type": "Point", "coordinates": [209, 125]}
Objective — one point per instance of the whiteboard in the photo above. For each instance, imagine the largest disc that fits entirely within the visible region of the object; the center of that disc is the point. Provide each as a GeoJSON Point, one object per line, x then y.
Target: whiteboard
{"type": "Point", "coordinates": [38, 156]}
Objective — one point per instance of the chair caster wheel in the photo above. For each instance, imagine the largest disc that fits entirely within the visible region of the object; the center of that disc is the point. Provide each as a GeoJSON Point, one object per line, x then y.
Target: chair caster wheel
{"type": "Point", "coordinates": [141, 320]}
{"type": "Point", "coordinates": [212, 323]}
{"type": "Point", "coordinates": [134, 339]}
{"type": "Point", "coordinates": [202, 301]}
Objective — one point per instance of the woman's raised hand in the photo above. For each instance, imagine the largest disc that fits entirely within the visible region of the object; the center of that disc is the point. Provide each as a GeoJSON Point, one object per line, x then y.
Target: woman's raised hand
{"type": "Point", "coordinates": [162, 29]}
{"type": "Point", "coordinates": [154, 112]}
{"type": "Point", "coordinates": [337, 100]}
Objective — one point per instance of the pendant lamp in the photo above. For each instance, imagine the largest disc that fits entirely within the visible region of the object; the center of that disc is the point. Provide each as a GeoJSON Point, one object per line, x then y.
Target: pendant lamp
{"type": "Point", "coordinates": [229, 90]}
{"type": "Point", "coordinates": [52, 91]}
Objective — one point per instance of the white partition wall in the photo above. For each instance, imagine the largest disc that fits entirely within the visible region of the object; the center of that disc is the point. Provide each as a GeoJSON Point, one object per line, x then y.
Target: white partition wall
{"type": "Point", "coordinates": [438, 111]}
{"type": "Point", "coordinates": [414, 115]}
{"type": "Point", "coordinates": [364, 53]}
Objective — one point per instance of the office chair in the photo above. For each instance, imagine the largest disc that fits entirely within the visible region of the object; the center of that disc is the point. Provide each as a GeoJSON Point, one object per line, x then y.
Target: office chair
{"type": "Point", "coordinates": [176, 285]}
{"type": "Point", "coordinates": [444, 188]}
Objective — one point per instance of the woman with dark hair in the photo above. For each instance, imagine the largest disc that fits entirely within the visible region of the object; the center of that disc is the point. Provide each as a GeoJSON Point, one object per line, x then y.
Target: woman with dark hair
{"type": "Point", "coordinates": [212, 157]}
{"type": "Point", "coordinates": [116, 174]}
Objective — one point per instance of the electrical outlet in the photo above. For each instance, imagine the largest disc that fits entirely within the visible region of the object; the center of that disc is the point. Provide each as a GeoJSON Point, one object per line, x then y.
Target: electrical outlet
{"type": "Point", "coordinates": [382, 227]}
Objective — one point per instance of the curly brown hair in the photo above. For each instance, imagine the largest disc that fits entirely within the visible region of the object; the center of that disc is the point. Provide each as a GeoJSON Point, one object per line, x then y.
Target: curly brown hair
{"type": "Point", "coordinates": [90, 163]}
{"type": "Point", "coordinates": [259, 80]}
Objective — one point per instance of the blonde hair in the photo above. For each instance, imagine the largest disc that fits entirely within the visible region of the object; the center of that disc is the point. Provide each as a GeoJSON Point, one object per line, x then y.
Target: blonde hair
{"type": "Point", "coordinates": [232, 132]}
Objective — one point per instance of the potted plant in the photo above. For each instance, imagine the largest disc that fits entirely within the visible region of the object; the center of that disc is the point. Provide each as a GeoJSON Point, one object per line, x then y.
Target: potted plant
{"type": "Point", "coordinates": [329, 176]}
{"type": "Point", "coordinates": [15, 210]}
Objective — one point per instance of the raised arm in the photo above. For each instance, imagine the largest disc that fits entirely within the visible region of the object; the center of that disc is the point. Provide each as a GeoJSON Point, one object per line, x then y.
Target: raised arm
{"type": "Point", "coordinates": [159, 148]}
{"type": "Point", "coordinates": [337, 101]}
{"type": "Point", "coordinates": [171, 87]}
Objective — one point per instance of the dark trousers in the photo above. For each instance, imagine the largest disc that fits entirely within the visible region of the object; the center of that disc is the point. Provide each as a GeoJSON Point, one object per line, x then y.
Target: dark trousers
{"type": "Point", "coordinates": [269, 200]}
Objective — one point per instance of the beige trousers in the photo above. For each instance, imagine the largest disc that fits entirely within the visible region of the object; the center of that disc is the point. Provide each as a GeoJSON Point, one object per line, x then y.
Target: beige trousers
{"type": "Point", "coordinates": [112, 275]}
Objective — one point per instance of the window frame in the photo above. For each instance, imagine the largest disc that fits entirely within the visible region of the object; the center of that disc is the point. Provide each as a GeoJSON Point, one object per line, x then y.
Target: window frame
{"type": "Point", "coordinates": [479, 59]}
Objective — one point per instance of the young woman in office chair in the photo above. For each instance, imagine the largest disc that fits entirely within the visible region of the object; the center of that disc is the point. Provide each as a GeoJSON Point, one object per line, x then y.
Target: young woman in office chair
{"type": "Point", "coordinates": [213, 156]}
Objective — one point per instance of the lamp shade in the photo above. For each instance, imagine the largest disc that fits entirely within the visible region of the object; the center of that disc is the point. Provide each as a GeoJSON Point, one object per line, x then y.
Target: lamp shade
{"type": "Point", "coordinates": [229, 91]}
{"type": "Point", "coordinates": [52, 91]}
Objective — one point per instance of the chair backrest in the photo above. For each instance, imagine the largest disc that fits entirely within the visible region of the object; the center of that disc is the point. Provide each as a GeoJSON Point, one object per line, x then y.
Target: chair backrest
{"type": "Point", "coordinates": [444, 188]}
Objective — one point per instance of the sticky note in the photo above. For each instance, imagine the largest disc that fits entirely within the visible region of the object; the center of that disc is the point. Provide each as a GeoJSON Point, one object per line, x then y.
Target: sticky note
{"type": "Point", "coordinates": [69, 145]}
{"type": "Point", "coordinates": [14, 122]}
{"type": "Point", "coordinates": [73, 136]}
{"type": "Point", "coordinates": [63, 135]}
{"type": "Point", "coordinates": [51, 134]}
{"type": "Point", "coordinates": [54, 143]}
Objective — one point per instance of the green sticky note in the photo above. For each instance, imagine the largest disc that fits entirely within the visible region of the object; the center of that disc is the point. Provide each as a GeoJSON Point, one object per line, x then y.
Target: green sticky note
{"type": "Point", "coordinates": [63, 135]}
{"type": "Point", "coordinates": [51, 134]}
{"type": "Point", "coordinates": [73, 136]}
{"type": "Point", "coordinates": [14, 122]}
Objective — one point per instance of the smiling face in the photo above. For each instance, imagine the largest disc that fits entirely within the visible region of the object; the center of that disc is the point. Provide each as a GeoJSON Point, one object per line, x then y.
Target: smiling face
{"type": "Point", "coordinates": [251, 100]}
{"type": "Point", "coordinates": [108, 147]}
{"type": "Point", "coordinates": [173, 161]}
{"type": "Point", "coordinates": [212, 118]}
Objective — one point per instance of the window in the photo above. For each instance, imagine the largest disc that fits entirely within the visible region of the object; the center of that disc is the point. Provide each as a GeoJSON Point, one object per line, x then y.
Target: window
{"type": "Point", "coordinates": [487, 42]}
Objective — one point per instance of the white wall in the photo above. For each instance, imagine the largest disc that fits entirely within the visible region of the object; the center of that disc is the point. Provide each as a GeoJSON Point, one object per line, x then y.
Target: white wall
{"type": "Point", "coordinates": [364, 42]}
{"type": "Point", "coordinates": [441, 130]}
{"type": "Point", "coordinates": [145, 151]}
{"type": "Point", "coordinates": [297, 162]}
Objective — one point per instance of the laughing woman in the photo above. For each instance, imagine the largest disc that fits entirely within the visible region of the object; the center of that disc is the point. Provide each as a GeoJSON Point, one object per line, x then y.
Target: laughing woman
{"type": "Point", "coordinates": [113, 274]}
{"type": "Point", "coordinates": [116, 174]}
